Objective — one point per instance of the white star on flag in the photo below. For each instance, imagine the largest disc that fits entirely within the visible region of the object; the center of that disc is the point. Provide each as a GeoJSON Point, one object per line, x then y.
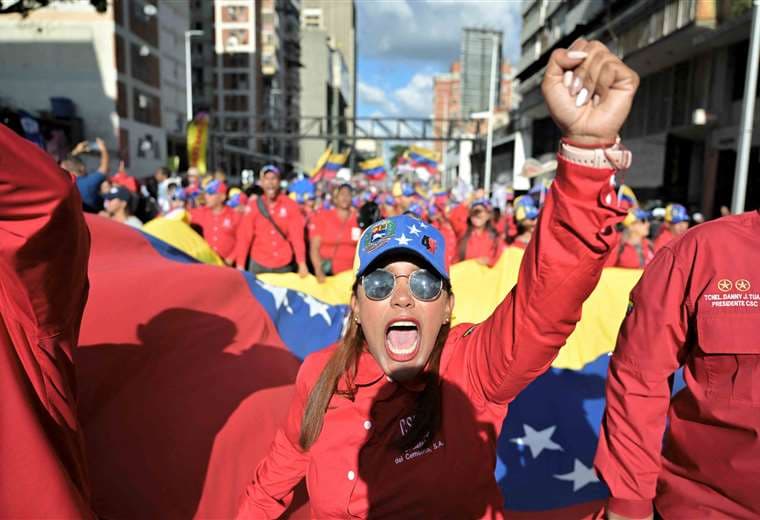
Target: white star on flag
{"type": "Point", "coordinates": [402, 240]}
{"type": "Point", "coordinates": [279, 295]}
{"type": "Point", "coordinates": [317, 307]}
{"type": "Point", "coordinates": [537, 440]}
{"type": "Point", "coordinates": [413, 229]}
{"type": "Point", "coordinates": [581, 476]}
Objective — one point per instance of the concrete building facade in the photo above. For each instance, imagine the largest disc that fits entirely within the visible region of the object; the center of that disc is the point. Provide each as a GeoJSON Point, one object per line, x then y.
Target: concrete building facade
{"type": "Point", "coordinates": [328, 76]}
{"type": "Point", "coordinates": [683, 128]}
{"type": "Point", "coordinates": [122, 70]}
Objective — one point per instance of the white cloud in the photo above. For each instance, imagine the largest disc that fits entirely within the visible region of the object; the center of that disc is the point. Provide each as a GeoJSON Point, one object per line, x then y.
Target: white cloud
{"type": "Point", "coordinates": [376, 97]}
{"type": "Point", "coordinates": [431, 30]}
{"type": "Point", "coordinates": [416, 98]}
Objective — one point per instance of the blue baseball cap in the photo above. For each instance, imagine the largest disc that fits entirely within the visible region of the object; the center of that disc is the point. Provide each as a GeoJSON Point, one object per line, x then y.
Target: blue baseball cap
{"type": "Point", "coordinates": [403, 234]}
{"type": "Point", "coordinates": [675, 213]}
{"type": "Point", "coordinates": [216, 187]}
{"type": "Point", "coordinates": [407, 190]}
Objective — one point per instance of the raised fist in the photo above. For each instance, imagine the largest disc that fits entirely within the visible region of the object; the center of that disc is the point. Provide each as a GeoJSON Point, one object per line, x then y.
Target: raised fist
{"type": "Point", "coordinates": [589, 92]}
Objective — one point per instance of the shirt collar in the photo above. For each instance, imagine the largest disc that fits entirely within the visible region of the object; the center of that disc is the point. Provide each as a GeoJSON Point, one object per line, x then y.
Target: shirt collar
{"type": "Point", "coordinates": [369, 373]}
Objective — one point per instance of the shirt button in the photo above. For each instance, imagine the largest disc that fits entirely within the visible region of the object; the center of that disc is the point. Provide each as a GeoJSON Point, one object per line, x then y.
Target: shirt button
{"type": "Point", "coordinates": [367, 425]}
{"type": "Point", "coordinates": [351, 475]}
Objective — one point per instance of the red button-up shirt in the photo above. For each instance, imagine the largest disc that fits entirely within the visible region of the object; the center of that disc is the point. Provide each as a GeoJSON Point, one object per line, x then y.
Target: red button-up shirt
{"type": "Point", "coordinates": [482, 244]}
{"type": "Point", "coordinates": [258, 237]}
{"type": "Point", "coordinates": [353, 470]}
{"type": "Point", "coordinates": [696, 306]}
{"type": "Point", "coordinates": [44, 247]}
{"type": "Point", "coordinates": [338, 237]}
{"type": "Point", "coordinates": [219, 228]}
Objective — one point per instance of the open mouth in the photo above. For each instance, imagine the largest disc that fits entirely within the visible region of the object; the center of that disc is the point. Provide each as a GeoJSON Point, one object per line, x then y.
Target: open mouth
{"type": "Point", "coordinates": [402, 340]}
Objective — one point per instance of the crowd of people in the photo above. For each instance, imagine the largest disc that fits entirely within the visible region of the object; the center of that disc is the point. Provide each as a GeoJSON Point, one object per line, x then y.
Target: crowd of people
{"type": "Point", "coordinates": [275, 227]}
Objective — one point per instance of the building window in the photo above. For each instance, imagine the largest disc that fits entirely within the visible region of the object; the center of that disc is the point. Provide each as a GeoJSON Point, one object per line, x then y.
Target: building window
{"type": "Point", "coordinates": [118, 12]}
{"type": "Point", "coordinates": [235, 13]}
{"type": "Point", "coordinates": [143, 21]}
{"type": "Point", "coordinates": [147, 147]}
{"type": "Point", "coordinates": [238, 60]}
{"type": "Point", "coordinates": [145, 65]}
{"type": "Point", "coordinates": [236, 103]}
{"type": "Point", "coordinates": [121, 100]}
{"type": "Point", "coordinates": [121, 55]}
{"type": "Point", "coordinates": [235, 124]}
{"type": "Point", "coordinates": [236, 81]}
{"type": "Point", "coordinates": [146, 107]}
{"type": "Point", "coordinates": [235, 38]}
{"type": "Point", "coordinates": [124, 146]}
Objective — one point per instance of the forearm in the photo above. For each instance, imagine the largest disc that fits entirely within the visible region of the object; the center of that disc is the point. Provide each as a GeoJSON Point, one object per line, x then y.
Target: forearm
{"type": "Point", "coordinates": [561, 266]}
{"type": "Point", "coordinates": [316, 259]}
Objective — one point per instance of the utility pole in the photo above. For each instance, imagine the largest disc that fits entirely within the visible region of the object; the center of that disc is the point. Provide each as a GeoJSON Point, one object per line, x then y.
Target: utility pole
{"type": "Point", "coordinates": [491, 96]}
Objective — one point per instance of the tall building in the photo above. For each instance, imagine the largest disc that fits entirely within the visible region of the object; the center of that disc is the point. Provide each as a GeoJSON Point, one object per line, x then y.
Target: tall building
{"type": "Point", "coordinates": [684, 125]}
{"type": "Point", "coordinates": [328, 76]}
{"type": "Point", "coordinates": [246, 76]}
{"type": "Point", "coordinates": [280, 64]}
{"type": "Point", "coordinates": [477, 55]}
{"type": "Point", "coordinates": [121, 74]}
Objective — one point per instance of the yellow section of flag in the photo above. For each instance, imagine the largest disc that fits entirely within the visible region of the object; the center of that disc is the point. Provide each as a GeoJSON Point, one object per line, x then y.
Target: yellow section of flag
{"type": "Point", "coordinates": [322, 160]}
{"type": "Point", "coordinates": [197, 142]}
{"type": "Point", "coordinates": [595, 334]}
{"type": "Point", "coordinates": [176, 232]}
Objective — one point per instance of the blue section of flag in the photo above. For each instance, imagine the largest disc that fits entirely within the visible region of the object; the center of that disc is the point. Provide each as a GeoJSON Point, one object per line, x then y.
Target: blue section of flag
{"type": "Point", "coordinates": [333, 167]}
{"type": "Point", "coordinates": [374, 172]}
{"type": "Point", "coordinates": [422, 160]}
{"type": "Point", "coordinates": [549, 438]}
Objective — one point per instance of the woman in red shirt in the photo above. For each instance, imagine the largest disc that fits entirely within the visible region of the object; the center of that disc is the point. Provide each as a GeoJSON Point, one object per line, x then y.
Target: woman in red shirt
{"type": "Point", "coordinates": [400, 419]}
{"type": "Point", "coordinates": [481, 241]}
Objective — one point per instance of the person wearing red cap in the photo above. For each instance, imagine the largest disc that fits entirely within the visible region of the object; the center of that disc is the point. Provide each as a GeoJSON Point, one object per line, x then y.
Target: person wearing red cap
{"type": "Point", "coordinates": [696, 307]}
{"type": "Point", "coordinates": [481, 241]}
{"type": "Point", "coordinates": [401, 418]}
{"type": "Point", "coordinates": [218, 222]}
{"type": "Point", "coordinates": [676, 223]}
{"type": "Point", "coordinates": [44, 249]}
{"type": "Point", "coordinates": [333, 234]}
{"type": "Point", "coordinates": [272, 234]}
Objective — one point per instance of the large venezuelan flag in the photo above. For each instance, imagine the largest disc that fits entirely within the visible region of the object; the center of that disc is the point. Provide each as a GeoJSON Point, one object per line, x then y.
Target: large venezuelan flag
{"type": "Point", "coordinates": [185, 370]}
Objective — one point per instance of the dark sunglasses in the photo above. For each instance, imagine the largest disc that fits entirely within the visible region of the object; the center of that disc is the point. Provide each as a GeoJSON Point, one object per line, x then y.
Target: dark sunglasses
{"type": "Point", "coordinates": [425, 286]}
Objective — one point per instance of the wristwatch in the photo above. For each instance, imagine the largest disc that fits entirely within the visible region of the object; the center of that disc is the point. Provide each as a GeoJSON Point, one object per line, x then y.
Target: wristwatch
{"type": "Point", "coordinates": [613, 156]}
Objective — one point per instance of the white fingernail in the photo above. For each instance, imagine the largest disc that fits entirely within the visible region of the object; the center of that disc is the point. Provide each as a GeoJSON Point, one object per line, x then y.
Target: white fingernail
{"type": "Point", "coordinates": [582, 98]}
{"type": "Point", "coordinates": [577, 55]}
{"type": "Point", "coordinates": [567, 79]}
{"type": "Point", "coordinates": [596, 100]}
{"type": "Point", "coordinates": [576, 87]}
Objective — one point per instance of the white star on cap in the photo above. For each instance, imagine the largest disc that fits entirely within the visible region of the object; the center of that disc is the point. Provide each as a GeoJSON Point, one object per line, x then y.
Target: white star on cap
{"type": "Point", "coordinates": [423, 225]}
{"type": "Point", "coordinates": [402, 240]}
{"type": "Point", "coordinates": [413, 229]}
{"type": "Point", "coordinates": [537, 440]}
{"type": "Point", "coordinates": [581, 476]}
{"type": "Point", "coordinates": [317, 307]}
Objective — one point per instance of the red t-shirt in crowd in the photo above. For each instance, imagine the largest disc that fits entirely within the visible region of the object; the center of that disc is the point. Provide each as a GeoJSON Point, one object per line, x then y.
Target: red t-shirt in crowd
{"type": "Point", "coordinates": [258, 238]}
{"type": "Point", "coordinates": [632, 256]}
{"type": "Point", "coordinates": [338, 237]}
{"type": "Point", "coordinates": [482, 244]}
{"type": "Point", "coordinates": [458, 219]}
{"type": "Point", "coordinates": [697, 306]}
{"type": "Point", "coordinates": [219, 228]}
{"type": "Point", "coordinates": [354, 469]}
{"type": "Point", "coordinates": [663, 239]}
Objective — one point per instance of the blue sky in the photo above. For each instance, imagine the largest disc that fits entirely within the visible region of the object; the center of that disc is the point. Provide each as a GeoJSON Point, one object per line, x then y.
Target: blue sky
{"type": "Point", "coordinates": [403, 43]}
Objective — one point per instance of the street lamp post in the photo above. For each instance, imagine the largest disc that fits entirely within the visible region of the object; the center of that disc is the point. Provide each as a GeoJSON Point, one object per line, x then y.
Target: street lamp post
{"type": "Point", "coordinates": [491, 96]}
{"type": "Point", "coordinates": [188, 73]}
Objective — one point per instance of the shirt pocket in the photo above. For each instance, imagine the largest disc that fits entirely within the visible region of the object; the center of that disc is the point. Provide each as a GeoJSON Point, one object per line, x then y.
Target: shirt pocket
{"type": "Point", "coordinates": [730, 345]}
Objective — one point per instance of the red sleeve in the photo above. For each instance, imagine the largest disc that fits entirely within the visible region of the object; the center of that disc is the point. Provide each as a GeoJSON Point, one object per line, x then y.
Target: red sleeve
{"type": "Point", "coordinates": [314, 224]}
{"type": "Point", "coordinates": [296, 227]}
{"type": "Point", "coordinates": [651, 341]}
{"type": "Point", "coordinates": [561, 266]}
{"type": "Point", "coordinates": [244, 239]}
{"type": "Point", "coordinates": [44, 249]}
{"type": "Point", "coordinates": [271, 491]}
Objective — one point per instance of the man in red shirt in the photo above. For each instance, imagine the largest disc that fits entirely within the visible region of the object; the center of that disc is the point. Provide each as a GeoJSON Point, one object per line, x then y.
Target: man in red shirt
{"type": "Point", "coordinates": [44, 248]}
{"type": "Point", "coordinates": [218, 221]}
{"type": "Point", "coordinates": [697, 306]}
{"type": "Point", "coordinates": [273, 232]}
{"type": "Point", "coordinates": [333, 234]}
{"type": "Point", "coordinates": [676, 224]}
